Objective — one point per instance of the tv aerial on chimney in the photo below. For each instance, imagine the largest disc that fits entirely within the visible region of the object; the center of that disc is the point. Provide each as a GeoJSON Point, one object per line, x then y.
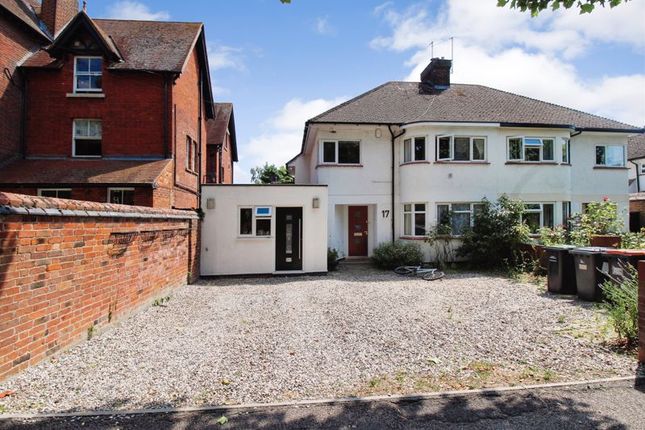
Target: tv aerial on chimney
{"type": "Point", "coordinates": [451, 39]}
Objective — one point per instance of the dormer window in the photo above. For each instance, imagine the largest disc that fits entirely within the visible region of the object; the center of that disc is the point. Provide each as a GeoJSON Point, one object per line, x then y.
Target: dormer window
{"type": "Point", "coordinates": [88, 74]}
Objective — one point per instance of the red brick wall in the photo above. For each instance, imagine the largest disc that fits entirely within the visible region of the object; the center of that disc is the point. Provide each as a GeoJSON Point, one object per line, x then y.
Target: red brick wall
{"type": "Point", "coordinates": [132, 126]}
{"type": "Point", "coordinates": [62, 276]}
{"type": "Point", "coordinates": [227, 161]}
{"type": "Point", "coordinates": [641, 311]}
{"type": "Point", "coordinates": [56, 13]}
{"type": "Point", "coordinates": [637, 206]}
{"type": "Point", "coordinates": [15, 43]}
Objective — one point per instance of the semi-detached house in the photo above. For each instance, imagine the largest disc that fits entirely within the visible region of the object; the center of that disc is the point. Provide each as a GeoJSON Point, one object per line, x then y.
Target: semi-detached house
{"type": "Point", "coordinates": [407, 155]}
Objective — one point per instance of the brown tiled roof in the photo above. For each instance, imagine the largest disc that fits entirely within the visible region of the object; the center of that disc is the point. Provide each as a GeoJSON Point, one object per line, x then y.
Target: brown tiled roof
{"type": "Point", "coordinates": [407, 102]}
{"type": "Point", "coordinates": [80, 172]}
{"type": "Point", "coordinates": [636, 147]}
{"type": "Point", "coordinates": [144, 45]}
{"type": "Point", "coordinates": [24, 11]}
{"type": "Point", "coordinates": [216, 127]}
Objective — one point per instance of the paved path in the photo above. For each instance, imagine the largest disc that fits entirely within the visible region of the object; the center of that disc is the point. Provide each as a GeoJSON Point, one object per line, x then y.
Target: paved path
{"type": "Point", "coordinates": [614, 405]}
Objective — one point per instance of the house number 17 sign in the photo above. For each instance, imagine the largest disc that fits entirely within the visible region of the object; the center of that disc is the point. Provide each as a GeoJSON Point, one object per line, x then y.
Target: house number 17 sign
{"type": "Point", "coordinates": [386, 213]}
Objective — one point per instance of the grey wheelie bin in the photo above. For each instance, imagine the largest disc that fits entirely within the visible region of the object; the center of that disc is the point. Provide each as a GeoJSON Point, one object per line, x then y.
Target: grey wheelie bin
{"type": "Point", "coordinates": [561, 274]}
{"type": "Point", "coordinates": [589, 276]}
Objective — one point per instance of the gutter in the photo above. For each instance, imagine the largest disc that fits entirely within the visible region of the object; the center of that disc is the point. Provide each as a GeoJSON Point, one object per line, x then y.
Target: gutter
{"type": "Point", "coordinates": [393, 140]}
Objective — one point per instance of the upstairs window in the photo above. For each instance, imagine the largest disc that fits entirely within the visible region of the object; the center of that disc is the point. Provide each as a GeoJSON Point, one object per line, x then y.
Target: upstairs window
{"type": "Point", "coordinates": [341, 152]}
{"type": "Point", "coordinates": [566, 151]}
{"type": "Point", "coordinates": [538, 215]}
{"type": "Point", "coordinates": [192, 157]}
{"type": "Point", "coordinates": [610, 155]}
{"type": "Point", "coordinates": [531, 149]}
{"type": "Point", "coordinates": [414, 149]}
{"type": "Point", "coordinates": [461, 148]}
{"type": "Point", "coordinates": [457, 217]}
{"type": "Point", "coordinates": [414, 219]}
{"type": "Point", "coordinates": [88, 135]}
{"type": "Point", "coordinates": [88, 74]}
{"type": "Point", "coordinates": [121, 196]}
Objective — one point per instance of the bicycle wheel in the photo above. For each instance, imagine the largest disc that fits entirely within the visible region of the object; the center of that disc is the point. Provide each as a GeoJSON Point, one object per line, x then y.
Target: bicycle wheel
{"type": "Point", "coordinates": [404, 270]}
{"type": "Point", "coordinates": [433, 276]}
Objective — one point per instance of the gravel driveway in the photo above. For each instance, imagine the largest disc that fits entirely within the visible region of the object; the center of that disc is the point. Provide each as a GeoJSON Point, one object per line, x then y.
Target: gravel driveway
{"type": "Point", "coordinates": [354, 332]}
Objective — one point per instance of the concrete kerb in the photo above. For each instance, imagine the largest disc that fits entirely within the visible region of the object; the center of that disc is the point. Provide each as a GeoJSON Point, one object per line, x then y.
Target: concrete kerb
{"type": "Point", "coordinates": [638, 380]}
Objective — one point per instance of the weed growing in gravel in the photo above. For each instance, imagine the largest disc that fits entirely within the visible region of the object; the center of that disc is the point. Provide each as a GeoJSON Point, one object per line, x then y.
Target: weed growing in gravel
{"type": "Point", "coordinates": [375, 382]}
{"type": "Point", "coordinates": [483, 369]}
{"type": "Point", "coordinates": [161, 301]}
{"type": "Point", "coordinates": [562, 319]}
{"type": "Point", "coordinates": [3, 409]}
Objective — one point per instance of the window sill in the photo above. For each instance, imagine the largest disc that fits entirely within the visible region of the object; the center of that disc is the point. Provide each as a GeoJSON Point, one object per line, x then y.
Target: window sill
{"type": "Point", "coordinates": [338, 165]}
{"type": "Point", "coordinates": [412, 238]}
{"type": "Point", "coordinates": [192, 172]}
{"type": "Point", "coordinates": [254, 237]}
{"type": "Point", "coordinates": [611, 167]}
{"type": "Point", "coordinates": [407, 163]}
{"type": "Point", "coordinates": [533, 163]}
{"type": "Point", "coordinates": [86, 95]}
{"type": "Point", "coordinates": [462, 162]}
{"type": "Point", "coordinates": [87, 156]}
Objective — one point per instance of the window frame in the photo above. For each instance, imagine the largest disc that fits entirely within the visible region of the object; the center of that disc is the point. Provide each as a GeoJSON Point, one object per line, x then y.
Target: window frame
{"type": "Point", "coordinates": [471, 148]}
{"type": "Point", "coordinates": [40, 191]}
{"type": "Point", "coordinates": [120, 189]}
{"type": "Point", "coordinates": [643, 168]}
{"type": "Point", "coordinates": [254, 219]}
{"type": "Point", "coordinates": [413, 153]}
{"type": "Point", "coordinates": [471, 211]}
{"type": "Point", "coordinates": [566, 151]}
{"type": "Point", "coordinates": [605, 146]}
{"type": "Point", "coordinates": [74, 137]}
{"type": "Point", "coordinates": [89, 73]}
{"type": "Point", "coordinates": [541, 212]}
{"type": "Point", "coordinates": [336, 162]}
{"type": "Point", "coordinates": [413, 212]}
{"type": "Point", "coordinates": [523, 146]}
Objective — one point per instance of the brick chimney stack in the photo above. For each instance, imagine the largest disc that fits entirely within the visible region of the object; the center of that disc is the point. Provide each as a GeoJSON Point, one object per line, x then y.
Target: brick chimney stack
{"type": "Point", "coordinates": [56, 13]}
{"type": "Point", "coordinates": [437, 74]}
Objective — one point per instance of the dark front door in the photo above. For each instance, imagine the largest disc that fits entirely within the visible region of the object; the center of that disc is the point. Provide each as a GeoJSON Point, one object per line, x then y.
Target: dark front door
{"type": "Point", "coordinates": [357, 231]}
{"type": "Point", "coordinates": [288, 241]}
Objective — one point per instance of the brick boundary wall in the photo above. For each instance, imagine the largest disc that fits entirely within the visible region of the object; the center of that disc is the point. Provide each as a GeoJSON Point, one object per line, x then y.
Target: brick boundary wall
{"type": "Point", "coordinates": [70, 267]}
{"type": "Point", "coordinates": [641, 312]}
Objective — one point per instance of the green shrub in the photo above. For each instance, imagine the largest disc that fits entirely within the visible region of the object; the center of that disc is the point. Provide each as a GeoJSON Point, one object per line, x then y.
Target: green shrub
{"type": "Point", "coordinates": [633, 240]}
{"type": "Point", "coordinates": [553, 236]}
{"type": "Point", "coordinates": [332, 259]}
{"type": "Point", "coordinates": [599, 218]}
{"type": "Point", "coordinates": [498, 233]}
{"type": "Point", "coordinates": [621, 303]}
{"type": "Point", "coordinates": [390, 255]}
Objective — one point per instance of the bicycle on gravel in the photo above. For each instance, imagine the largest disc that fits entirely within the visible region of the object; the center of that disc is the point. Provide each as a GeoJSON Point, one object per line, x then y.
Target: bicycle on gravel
{"type": "Point", "coordinates": [426, 273]}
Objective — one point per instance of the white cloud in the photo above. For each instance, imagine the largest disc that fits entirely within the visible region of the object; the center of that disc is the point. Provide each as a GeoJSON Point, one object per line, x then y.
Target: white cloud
{"type": "Point", "coordinates": [282, 136]}
{"type": "Point", "coordinates": [135, 10]}
{"type": "Point", "coordinates": [225, 57]}
{"type": "Point", "coordinates": [507, 49]}
{"type": "Point", "coordinates": [322, 26]}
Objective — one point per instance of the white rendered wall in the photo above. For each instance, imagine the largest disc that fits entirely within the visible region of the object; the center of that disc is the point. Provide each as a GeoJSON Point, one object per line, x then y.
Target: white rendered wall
{"type": "Point", "coordinates": [225, 252]}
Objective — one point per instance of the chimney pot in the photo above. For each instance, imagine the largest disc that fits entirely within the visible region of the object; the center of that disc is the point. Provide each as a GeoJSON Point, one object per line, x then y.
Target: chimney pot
{"type": "Point", "coordinates": [57, 13]}
{"type": "Point", "coordinates": [437, 74]}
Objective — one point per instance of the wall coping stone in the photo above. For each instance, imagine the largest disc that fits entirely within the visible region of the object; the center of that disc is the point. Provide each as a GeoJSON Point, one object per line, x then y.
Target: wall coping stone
{"type": "Point", "coordinates": [20, 204]}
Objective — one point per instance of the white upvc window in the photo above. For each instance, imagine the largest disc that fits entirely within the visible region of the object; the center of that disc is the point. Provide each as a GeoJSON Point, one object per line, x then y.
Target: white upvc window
{"type": "Point", "coordinates": [414, 219]}
{"type": "Point", "coordinates": [461, 148]}
{"type": "Point", "coordinates": [87, 138]}
{"type": "Point", "coordinates": [643, 168]}
{"type": "Point", "coordinates": [340, 152]}
{"type": "Point", "coordinates": [88, 74]}
{"type": "Point", "coordinates": [610, 155]}
{"type": "Point", "coordinates": [59, 193]}
{"type": "Point", "coordinates": [538, 215]}
{"type": "Point", "coordinates": [457, 217]}
{"type": "Point", "coordinates": [531, 149]}
{"type": "Point", "coordinates": [566, 151]}
{"type": "Point", "coordinates": [121, 196]}
{"type": "Point", "coordinates": [255, 221]}
{"type": "Point", "coordinates": [414, 149]}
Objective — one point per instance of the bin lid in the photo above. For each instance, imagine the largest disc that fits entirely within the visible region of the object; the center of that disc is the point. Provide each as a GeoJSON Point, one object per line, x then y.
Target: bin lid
{"type": "Point", "coordinates": [560, 247]}
{"type": "Point", "coordinates": [627, 252]}
{"type": "Point", "coordinates": [589, 250]}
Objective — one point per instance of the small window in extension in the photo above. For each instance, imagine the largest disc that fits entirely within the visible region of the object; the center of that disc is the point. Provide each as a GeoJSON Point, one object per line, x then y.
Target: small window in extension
{"type": "Point", "coordinates": [246, 221]}
{"type": "Point", "coordinates": [263, 221]}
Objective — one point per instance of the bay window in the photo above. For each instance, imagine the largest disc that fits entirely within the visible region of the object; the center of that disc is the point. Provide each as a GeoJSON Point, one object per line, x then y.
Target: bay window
{"type": "Point", "coordinates": [461, 148]}
{"type": "Point", "coordinates": [531, 149]}
{"type": "Point", "coordinates": [88, 134]}
{"type": "Point", "coordinates": [414, 149]}
{"type": "Point", "coordinates": [414, 219]}
{"type": "Point", "coordinates": [610, 155]}
{"type": "Point", "coordinates": [457, 217]}
{"type": "Point", "coordinates": [341, 152]}
{"type": "Point", "coordinates": [538, 215]}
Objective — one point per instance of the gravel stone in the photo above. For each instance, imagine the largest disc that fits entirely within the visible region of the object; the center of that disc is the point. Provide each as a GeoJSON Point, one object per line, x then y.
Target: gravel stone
{"type": "Point", "coordinates": [231, 341]}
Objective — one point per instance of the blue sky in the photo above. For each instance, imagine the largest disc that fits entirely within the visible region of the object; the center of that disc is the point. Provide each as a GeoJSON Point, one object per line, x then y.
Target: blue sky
{"type": "Point", "coordinates": [281, 64]}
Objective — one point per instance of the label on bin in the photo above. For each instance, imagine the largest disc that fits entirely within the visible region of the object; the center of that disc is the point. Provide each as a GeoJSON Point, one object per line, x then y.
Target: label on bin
{"type": "Point", "coordinates": [582, 266]}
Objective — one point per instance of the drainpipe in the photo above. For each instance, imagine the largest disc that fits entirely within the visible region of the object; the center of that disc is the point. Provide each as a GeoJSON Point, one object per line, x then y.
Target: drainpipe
{"type": "Point", "coordinates": [638, 176]}
{"type": "Point", "coordinates": [166, 115]}
{"type": "Point", "coordinates": [393, 140]}
{"type": "Point", "coordinates": [199, 138]}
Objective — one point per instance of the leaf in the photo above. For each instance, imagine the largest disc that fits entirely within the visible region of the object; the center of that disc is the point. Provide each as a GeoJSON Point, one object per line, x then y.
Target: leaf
{"type": "Point", "coordinates": [586, 8]}
{"type": "Point", "coordinates": [222, 420]}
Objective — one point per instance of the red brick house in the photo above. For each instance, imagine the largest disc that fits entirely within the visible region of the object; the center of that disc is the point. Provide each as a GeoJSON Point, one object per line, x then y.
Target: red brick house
{"type": "Point", "coordinates": [115, 111]}
{"type": "Point", "coordinates": [20, 35]}
{"type": "Point", "coordinates": [221, 151]}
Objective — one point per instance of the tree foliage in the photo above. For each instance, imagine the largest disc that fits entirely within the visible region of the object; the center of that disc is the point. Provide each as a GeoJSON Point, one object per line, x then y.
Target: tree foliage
{"type": "Point", "coordinates": [270, 174]}
{"type": "Point", "coordinates": [536, 6]}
